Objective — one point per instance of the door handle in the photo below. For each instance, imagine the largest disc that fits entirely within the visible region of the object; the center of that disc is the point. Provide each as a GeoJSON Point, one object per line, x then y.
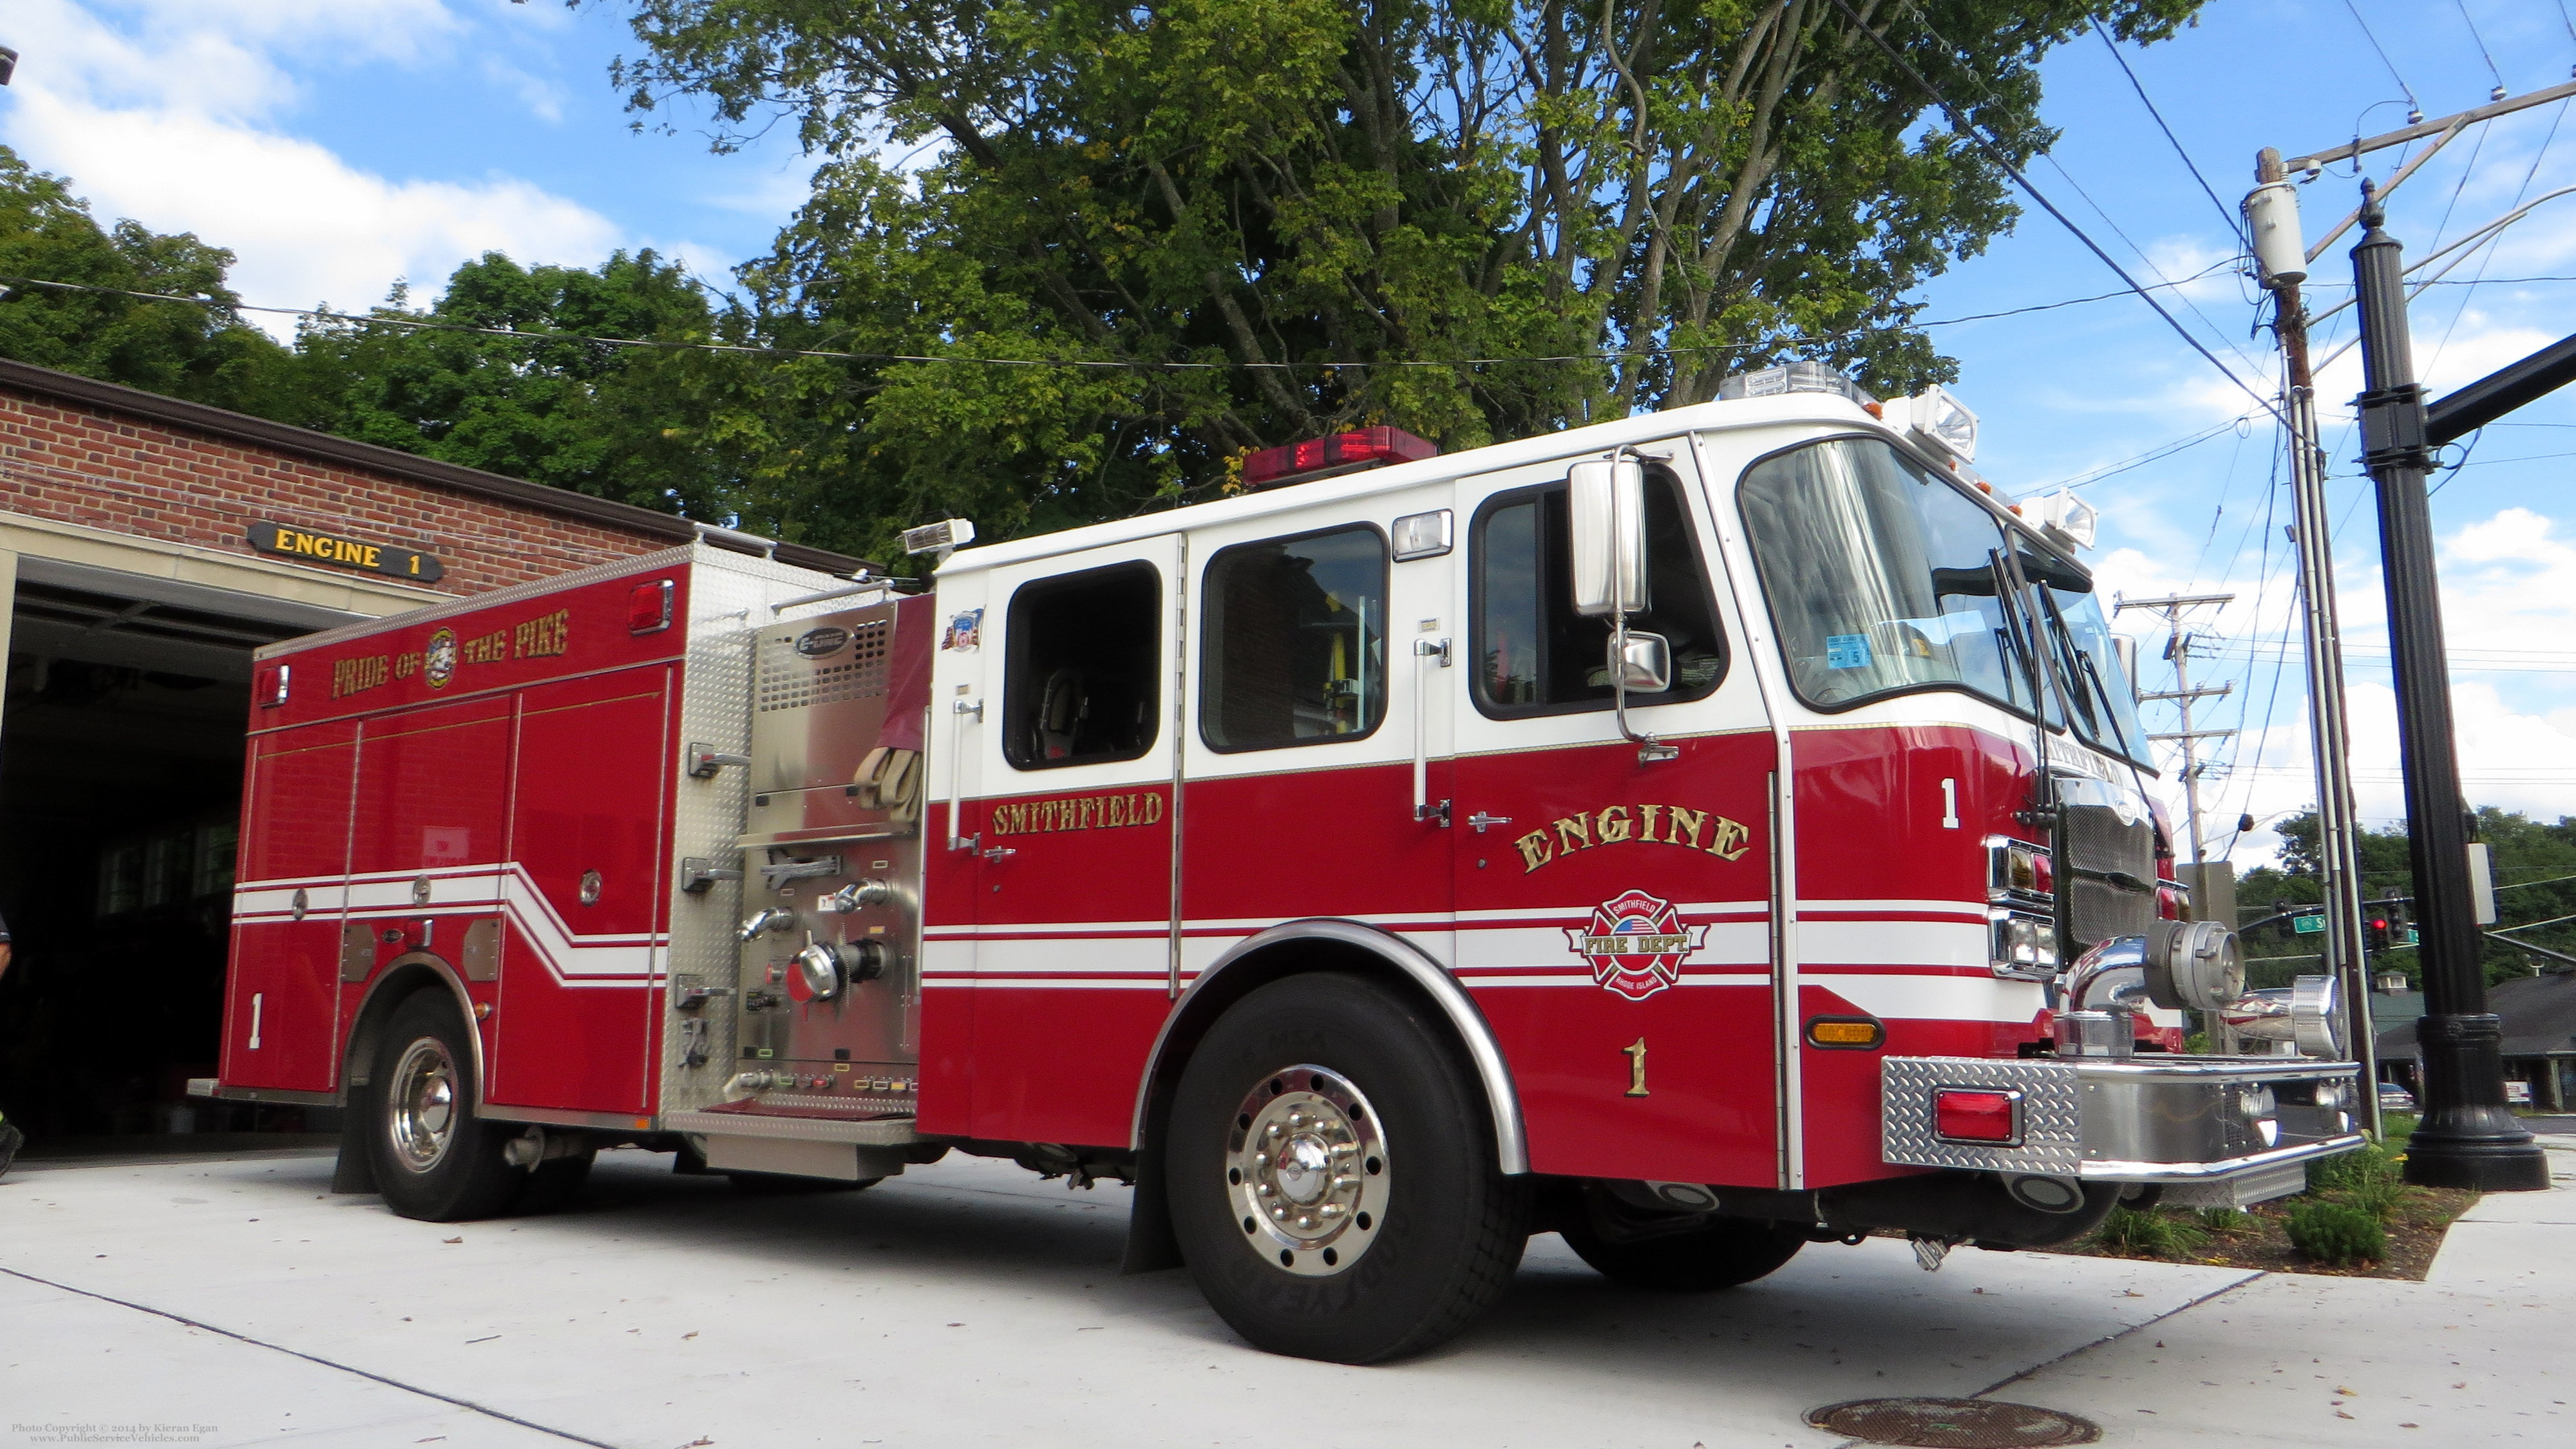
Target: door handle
{"type": "Point", "coordinates": [960, 710]}
{"type": "Point", "coordinates": [1424, 651]}
{"type": "Point", "coordinates": [1483, 821]}
{"type": "Point", "coordinates": [998, 854]}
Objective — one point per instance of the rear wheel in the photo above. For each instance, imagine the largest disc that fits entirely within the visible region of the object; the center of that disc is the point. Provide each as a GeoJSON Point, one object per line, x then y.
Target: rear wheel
{"type": "Point", "coordinates": [1331, 1175]}
{"type": "Point", "coordinates": [434, 1158]}
{"type": "Point", "coordinates": [1725, 1253]}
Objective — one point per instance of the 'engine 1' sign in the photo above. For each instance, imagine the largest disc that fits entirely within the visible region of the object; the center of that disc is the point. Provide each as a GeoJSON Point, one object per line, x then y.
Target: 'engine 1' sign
{"type": "Point", "coordinates": [376, 558]}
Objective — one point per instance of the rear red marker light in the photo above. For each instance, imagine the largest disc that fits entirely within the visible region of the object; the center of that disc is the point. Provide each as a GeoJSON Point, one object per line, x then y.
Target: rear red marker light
{"type": "Point", "coordinates": [269, 688]}
{"type": "Point", "coordinates": [648, 609]}
{"type": "Point", "coordinates": [1340, 453]}
{"type": "Point", "coordinates": [1967, 1115]}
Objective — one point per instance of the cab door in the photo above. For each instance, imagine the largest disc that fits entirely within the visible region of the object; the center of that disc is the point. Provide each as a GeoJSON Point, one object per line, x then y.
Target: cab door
{"type": "Point", "coordinates": [1317, 760]}
{"type": "Point", "coordinates": [1613, 909]}
{"type": "Point", "coordinates": [1065, 840]}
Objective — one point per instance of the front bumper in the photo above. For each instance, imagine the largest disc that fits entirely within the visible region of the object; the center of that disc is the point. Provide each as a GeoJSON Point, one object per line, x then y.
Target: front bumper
{"type": "Point", "coordinates": [2182, 1121]}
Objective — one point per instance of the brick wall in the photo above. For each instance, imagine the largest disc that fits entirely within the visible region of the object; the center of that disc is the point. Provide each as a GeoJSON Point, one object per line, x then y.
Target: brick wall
{"type": "Point", "coordinates": [125, 473]}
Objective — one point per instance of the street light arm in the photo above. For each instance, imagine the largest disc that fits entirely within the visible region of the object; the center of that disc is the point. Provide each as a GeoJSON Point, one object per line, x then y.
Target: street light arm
{"type": "Point", "coordinates": [2500, 392]}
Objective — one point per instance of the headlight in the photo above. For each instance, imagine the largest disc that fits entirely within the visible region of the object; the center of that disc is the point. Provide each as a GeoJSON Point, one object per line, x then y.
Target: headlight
{"type": "Point", "coordinates": [2024, 946]}
{"type": "Point", "coordinates": [2017, 868]}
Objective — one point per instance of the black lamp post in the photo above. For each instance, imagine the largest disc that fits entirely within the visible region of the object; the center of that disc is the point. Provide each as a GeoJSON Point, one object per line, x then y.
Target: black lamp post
{"type": "Point", "coordinates": [2467, 1138]}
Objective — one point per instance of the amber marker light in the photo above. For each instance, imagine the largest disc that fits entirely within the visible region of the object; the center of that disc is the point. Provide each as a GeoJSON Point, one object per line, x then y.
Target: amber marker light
{"type": "Point", "coordinates": [1858, 1032]}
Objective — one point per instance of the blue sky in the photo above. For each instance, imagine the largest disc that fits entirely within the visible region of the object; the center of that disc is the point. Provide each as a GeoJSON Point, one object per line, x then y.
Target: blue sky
{"type": "Point", "coordinates": [340, 144]}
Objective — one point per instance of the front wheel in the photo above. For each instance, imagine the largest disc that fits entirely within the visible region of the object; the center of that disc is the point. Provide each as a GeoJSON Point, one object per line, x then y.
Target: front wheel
{"type": "Point", "coordinates": [434, 1158]}
{"type": "Point", "coordinates": [1332, 1178]}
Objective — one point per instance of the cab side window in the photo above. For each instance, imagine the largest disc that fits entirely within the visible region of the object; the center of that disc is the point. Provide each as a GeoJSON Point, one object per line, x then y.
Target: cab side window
{"type": "Point", "coordinates": [1534, 655]}
{"type": "Point", "coordinates": [1080, 683]}
{"type": "Point", "coordinates": [1295, 644]}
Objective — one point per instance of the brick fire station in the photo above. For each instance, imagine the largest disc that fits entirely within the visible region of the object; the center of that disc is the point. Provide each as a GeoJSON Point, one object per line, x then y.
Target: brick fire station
{"type": "Point", "coordinates": [147, 546]}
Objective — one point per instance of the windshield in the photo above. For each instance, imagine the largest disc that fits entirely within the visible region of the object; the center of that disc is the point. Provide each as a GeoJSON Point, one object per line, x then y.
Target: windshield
{"type": "Point", "coordinates": [1881, 577]}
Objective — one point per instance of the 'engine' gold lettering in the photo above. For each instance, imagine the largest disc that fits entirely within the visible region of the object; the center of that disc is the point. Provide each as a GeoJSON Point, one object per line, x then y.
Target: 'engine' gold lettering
{"type": "Point", "coordinates": [1701, 830]}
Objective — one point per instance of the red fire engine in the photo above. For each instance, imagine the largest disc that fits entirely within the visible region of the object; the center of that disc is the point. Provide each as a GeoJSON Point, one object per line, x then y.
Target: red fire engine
{"type": "Point", "coordinates": [1698, 835]}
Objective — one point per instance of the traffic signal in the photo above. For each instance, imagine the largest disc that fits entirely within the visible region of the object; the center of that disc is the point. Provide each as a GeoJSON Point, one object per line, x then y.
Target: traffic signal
{"type": "Point", "coordinates": [2376, 930]}
{"type": "Point", "coordinates": [2284, 925]}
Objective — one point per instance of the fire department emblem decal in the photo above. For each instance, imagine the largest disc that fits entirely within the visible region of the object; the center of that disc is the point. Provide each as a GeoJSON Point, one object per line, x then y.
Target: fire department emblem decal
{"type": "Point", "coordinates": [1636, 944]}
{"type": "Point", "coordinates": [440, 663]}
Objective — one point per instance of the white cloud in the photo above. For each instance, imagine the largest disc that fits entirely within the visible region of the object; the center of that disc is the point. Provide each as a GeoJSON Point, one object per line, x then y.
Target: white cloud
{"type": "Point", "coordinates": [167, 111]}
{"type": "Point", "coordinates": [2508, 595]}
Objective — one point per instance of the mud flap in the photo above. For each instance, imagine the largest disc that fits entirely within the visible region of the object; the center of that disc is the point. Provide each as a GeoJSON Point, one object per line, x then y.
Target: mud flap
{"type": "Point", "coordinates": [355, 1171]}
{"type": "Point", "coordinates": [1152, 1246]}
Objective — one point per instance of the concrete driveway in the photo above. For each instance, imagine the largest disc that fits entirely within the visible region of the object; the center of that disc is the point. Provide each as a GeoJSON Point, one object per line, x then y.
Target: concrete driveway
{"type": "Point", "coordinates": [238, 1302]}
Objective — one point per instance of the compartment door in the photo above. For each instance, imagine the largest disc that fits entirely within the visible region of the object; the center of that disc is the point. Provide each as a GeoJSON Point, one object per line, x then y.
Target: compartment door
{"type": "Point", "coordinates": [280, 1017]}
{"type": "Point", "coordinates": [584, 895]}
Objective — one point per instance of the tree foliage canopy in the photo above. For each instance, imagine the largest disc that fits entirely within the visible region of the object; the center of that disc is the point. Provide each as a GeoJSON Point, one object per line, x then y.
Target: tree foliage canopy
{"type": "Point", "coordinates": [1471, 218]}
{"type": "Point", "coordinates": [2535, 872]}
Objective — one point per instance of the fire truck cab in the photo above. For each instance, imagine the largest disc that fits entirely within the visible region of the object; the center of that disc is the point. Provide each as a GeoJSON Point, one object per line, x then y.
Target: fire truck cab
{"type": "Point", "coordinates": [1700, 835]}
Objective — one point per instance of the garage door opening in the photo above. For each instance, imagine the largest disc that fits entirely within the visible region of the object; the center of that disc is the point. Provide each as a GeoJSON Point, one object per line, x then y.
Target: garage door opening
{"type": "Point", "coordinates": [121, 744]}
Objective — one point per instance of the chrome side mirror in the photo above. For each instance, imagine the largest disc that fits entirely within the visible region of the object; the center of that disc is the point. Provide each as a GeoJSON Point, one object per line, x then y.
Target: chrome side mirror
{"type": "Point", "coordinates": [1606, 511]}
{"type": "Point", "coordinates": [1646, 663]}
{"type": "Point", "coordinates": [2127, 649]}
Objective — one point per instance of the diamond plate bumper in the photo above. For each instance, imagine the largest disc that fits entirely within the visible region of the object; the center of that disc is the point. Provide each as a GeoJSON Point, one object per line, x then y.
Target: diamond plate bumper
{"type": "Point", "coordinates": [2169, 1119]}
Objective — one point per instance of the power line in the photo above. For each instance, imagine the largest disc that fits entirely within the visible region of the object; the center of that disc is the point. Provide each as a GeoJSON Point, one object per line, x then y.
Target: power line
{"type": "Point", "coordinates": [2234, 223]}
{"type": "Point", "coordinates": [1959, 123]}
{"type": "Point", "coordinates": [2482, 49]}
{"type": "Point", "coordinates": [524, 334]}
{"type": "Point", "coordinates": [2414, 108]}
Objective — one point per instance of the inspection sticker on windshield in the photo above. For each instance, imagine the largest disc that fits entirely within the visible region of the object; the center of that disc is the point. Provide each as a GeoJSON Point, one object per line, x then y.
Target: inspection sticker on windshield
{"type": "Point", "coordinates": [1846, 651]}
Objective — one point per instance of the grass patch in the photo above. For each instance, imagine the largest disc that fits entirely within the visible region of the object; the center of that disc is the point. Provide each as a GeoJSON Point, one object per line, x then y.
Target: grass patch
{"type": "Point", "coordinates": [2150, 1233]}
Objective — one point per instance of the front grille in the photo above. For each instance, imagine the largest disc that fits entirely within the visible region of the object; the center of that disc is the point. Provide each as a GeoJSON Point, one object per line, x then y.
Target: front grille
{"type": "Point", "coordinates": [2093, 841]}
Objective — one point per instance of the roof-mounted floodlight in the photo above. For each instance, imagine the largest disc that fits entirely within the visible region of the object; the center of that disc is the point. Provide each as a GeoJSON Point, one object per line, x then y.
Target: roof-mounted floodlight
{"type": "Point", "coordinates": [940, 537]}
{"type": "Point", "coordinates": [2067, 519]}
{"type": "Point", "coordinates": [1938, 418]}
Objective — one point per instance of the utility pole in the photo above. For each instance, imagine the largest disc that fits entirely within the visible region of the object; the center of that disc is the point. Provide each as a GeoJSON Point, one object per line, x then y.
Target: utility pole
{"type": "Point", "coordinates": [2467, 1137]}
{"type": "Point", "coordinates": [2272, 215]}
{"type": "Point", "coordinates": [2178, 644]}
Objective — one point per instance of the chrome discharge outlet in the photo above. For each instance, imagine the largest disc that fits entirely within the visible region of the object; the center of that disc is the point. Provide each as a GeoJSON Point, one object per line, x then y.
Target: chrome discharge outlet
{"type": "Point", "coordinates": [2178, 965]}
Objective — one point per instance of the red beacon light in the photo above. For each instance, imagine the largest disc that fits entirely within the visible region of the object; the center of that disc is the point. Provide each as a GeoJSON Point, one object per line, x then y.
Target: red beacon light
{"type": "Point", "coordinates": [1326, 457]}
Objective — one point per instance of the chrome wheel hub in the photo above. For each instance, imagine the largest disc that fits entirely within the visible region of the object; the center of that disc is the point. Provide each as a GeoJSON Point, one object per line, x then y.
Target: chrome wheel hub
{"type": "Point", "coordinates": [1307, 1169]}
{"type": "Point", "coordinates": [420, 1105]}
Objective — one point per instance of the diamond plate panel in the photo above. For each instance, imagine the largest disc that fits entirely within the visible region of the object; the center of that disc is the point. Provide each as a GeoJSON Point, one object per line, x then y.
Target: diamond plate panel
{"type": "Point", "coordinates": [2052, 1108]}
{"type": "Point", "coordinates": [730, 594]}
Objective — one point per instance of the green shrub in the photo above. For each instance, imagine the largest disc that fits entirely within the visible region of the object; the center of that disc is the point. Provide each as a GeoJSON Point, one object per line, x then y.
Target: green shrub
{"type": "Point", "coordinates": [2150, 1233]}
{"type": "Point", "coordinates": [2370, 1179]}
{"type": "Point", "coordinates": [2225, 1220]}
{"type": "Point", "coordinates": [2337, 1233]}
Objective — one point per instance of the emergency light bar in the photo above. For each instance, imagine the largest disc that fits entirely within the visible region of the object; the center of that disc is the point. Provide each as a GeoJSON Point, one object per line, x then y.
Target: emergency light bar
{"type": "Point", "coordinates": [1326, 457]}
{"type": "Point", "coordinates": [1791, 377]}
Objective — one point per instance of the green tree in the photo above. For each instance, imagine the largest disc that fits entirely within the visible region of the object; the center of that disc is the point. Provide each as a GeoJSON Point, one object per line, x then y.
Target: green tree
{"type": "Point", "coordinates": [204, 353]}
{"type": "Point", "coordinates": [1500, 216]}
{"type": "Point", "coordinates": [617, 421]}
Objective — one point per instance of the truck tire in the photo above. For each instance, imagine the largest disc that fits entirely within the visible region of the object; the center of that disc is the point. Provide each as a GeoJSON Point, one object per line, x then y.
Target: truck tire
{"type": "Point", "coordinates": [434, 1158]}
{"type": "Point", "coordinates": [1331, 1175]}
{"type": "Point", "coordinates": [1728, 1252]}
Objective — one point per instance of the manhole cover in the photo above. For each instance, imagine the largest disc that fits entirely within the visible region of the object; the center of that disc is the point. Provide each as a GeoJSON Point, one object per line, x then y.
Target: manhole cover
{"type": "Point", "coordinates": [1952, 1423]}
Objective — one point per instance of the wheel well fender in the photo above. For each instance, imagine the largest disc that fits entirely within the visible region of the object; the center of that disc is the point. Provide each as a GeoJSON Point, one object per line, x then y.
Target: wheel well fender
{"type": "Point", "coordinates": [408, 973]}
{"type": "Point", "coordinates": [403, 977]}
{"type": "Point", "coordinates": [1296, 946]}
